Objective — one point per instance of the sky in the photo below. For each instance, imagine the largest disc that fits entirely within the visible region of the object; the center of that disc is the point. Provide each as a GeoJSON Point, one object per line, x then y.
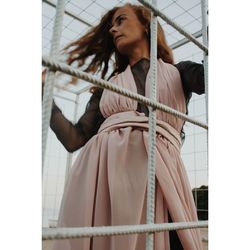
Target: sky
{"type": "Point", "coordinates": [194, 151]}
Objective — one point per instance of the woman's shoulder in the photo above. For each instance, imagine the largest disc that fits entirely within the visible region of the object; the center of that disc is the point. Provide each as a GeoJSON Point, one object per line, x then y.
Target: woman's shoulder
{"type": "Point", "coordinates": [187, 65]}
{"type": "Point", "coordinates": [192, 76]}
{"type": "Point", "coordinates": [168, 67]}
{"type": "Point", "coordinates": [96, 92]}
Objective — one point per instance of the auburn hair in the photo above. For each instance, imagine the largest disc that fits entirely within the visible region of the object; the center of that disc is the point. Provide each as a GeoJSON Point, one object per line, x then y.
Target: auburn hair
{"type": "Point", "coordinates": [97, 44]}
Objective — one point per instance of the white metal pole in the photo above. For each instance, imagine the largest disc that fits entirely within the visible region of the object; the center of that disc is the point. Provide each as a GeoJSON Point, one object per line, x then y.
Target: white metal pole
{"type": "Point", "coordinates": [100, 231]}
{"type": "Point", "coordinates": [71, 14]}
{"type": "Point", "coordinates": [123, 91]}
{"type": "Point", "coordinates": [185, 40]}
{"type": "Point", "coordinates": [50, 76]}
{"type": "Point", "coordinates": [204, 12]}
{"type": "Point", "coordinates": [157, 12]}
{"type": "Point", "coordinates": [152, 130]}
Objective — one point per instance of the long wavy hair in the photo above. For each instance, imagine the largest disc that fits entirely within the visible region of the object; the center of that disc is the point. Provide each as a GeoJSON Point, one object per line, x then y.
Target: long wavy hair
{"type": "Point", "coordinates": [97, 44]}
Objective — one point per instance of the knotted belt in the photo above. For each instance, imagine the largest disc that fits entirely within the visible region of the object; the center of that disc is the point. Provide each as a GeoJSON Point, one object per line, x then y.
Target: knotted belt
{"type": "Point", "coordinates": [136, 119]}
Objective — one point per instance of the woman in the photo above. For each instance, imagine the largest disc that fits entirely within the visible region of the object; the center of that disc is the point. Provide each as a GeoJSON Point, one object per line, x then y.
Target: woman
{"type": "Point", "coordinates": [107, 183]}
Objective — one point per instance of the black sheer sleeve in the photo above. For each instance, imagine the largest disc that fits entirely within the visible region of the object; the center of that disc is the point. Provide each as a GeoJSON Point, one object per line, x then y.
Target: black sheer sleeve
{"type": "Point", "coordinates": [74, 136]}
{"type": "Point", "coordinates": [192, 77]}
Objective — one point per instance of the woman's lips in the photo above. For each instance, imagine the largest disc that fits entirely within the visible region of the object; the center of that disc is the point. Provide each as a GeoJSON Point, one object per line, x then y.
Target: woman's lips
{"type": "Point", "coordinates": [117, 38]}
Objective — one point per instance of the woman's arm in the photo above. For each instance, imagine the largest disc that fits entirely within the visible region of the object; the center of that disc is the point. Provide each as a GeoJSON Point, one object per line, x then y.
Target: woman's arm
{"type": "Point", "coordinates": [74, 136]}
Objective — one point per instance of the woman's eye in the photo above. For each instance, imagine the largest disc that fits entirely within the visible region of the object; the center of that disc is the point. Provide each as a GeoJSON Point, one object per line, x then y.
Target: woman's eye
{"type": "Point", "coordinates": [120, 20]}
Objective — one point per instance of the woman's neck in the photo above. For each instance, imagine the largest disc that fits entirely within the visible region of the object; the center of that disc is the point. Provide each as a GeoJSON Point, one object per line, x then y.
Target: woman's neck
{"type": "Point", "coordinates": [138, 53]}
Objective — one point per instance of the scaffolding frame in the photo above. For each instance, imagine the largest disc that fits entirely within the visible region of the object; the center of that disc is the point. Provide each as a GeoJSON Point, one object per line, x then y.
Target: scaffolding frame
{"type": "Point", "coordinates": [51, 77]}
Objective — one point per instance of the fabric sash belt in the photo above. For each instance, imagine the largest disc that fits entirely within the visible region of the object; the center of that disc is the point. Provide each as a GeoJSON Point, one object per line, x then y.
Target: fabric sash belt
{"type": "Point", "coordinates": [136, 119]}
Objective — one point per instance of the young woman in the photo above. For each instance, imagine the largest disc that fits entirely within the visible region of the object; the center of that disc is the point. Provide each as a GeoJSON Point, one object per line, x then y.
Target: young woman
{"type": "Point", "coordinates": [108, 181]}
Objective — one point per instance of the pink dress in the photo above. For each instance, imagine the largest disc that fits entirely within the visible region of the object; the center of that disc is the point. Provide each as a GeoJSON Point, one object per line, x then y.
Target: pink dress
{"type": "Point", "coordinates": [108, 181]}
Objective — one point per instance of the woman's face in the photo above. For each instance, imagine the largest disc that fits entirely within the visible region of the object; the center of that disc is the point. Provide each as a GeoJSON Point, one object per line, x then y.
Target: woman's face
{"type": "Point", "coordinates": [126, 30]}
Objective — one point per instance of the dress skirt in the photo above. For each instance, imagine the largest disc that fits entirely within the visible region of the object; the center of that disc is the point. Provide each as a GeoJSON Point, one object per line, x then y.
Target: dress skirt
{"type": "Point", "coordinates": [107, 186]}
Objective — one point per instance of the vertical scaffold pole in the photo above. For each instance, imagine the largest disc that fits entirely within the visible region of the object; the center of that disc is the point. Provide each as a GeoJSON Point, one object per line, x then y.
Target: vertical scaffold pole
{"type": "Point", "coordinates": [50, 76]}
{"type": "Point", "coordinates": [204, 12]}
{"type": "Point", "coordinates": [70, 155]}
{"type": "Point", "coordinates": [152, 130]}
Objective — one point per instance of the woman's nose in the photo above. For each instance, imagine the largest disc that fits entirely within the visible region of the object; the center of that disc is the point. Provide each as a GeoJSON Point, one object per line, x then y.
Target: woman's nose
{"type": "Point", "coordinates": [112, 30]}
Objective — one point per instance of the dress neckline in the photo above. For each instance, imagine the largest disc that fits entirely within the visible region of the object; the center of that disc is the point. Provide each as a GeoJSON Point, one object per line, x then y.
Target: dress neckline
{"type": "Point", "coordinates": [142, 60]}
{"type": "Point", "coordinates": [128, 75]}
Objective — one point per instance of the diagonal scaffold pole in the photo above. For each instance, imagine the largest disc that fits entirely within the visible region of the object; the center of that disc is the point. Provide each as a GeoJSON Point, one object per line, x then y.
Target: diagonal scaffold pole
{"type": "Point", "coordinates": [55, 65]}
{"type": "Point", "coordinates": [168, 20]}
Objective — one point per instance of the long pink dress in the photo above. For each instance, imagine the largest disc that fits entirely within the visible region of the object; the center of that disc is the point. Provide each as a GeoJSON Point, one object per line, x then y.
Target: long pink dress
{"type": "Point", "coordinates": [108, 181]}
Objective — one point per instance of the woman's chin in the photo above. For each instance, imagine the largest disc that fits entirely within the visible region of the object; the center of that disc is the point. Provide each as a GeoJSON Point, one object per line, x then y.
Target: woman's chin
{"type": "Point", "coordinates": [123, 48]}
